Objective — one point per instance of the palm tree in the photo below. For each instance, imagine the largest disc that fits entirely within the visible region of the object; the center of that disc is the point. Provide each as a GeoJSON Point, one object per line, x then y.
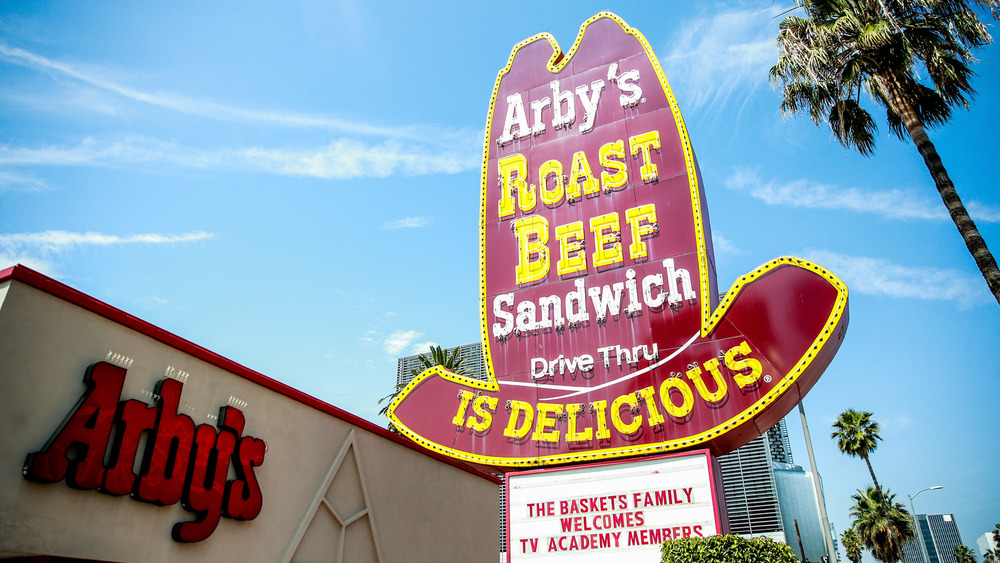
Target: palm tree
{"type": "Point", "coordinates": [964, 555]}
{"type": "Point", "coordinates": [880, 529]}
{"type": "Point", "coordinates": [842, 47]}
{"type": "Point", "coordinates": [438, 357]}
{"type": "Point", "coordinates": [389, 398]}
{"type": "Point", "coordinates": [857, 436]}
{"type": "Point", "coordinates": [852, 545]}
{"type": "Point", "coordinates": [452, 362]}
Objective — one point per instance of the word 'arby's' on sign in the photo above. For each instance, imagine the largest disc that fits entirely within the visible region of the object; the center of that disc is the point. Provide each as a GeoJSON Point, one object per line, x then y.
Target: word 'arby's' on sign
{"type": "Point", "coordinates": [603, 332]}
{"type": "Point", "coordinates": [181, 462]}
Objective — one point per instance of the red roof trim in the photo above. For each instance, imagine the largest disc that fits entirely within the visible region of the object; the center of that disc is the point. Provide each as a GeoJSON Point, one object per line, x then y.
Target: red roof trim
{"type": "Point", "coordinates": [66, 293]}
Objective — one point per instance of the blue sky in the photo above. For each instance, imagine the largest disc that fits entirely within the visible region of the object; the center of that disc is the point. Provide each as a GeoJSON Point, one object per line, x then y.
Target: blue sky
{"type": "Point", "coordinates": [295, 186]}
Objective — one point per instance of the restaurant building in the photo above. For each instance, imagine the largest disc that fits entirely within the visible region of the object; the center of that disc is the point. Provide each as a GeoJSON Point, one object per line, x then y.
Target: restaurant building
{"type": "Point", "coordinates": [124, 442]}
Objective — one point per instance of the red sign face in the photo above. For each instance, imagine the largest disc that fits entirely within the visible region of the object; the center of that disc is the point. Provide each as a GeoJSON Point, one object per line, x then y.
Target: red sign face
{"type": "Point", "coordinates": [603, 332]}
{"type": "Point", "coordinates": [181, 461]}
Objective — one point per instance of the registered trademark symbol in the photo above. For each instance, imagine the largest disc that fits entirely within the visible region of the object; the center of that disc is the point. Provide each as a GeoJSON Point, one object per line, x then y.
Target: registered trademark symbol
{"type": "Point", "coordinates": [767, 379]}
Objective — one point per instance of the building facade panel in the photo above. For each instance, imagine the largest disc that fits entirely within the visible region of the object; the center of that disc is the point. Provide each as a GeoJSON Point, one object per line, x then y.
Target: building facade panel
{"type": "Point", "coordinates": [751, 494]}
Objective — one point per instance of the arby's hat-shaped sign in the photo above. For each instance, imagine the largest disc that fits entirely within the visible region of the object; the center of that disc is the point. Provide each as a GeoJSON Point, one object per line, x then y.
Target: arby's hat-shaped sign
{"type": "Point", "coordinates": [603, 332]}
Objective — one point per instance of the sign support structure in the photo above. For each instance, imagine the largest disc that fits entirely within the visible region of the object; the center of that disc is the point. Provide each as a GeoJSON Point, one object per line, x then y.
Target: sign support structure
{"type": "Point", "coordinates": [604, 335]}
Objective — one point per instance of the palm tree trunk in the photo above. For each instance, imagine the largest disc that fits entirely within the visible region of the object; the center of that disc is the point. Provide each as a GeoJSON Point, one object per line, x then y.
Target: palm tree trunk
{"type": "Point", "coordinates": [949, 195]}
{"type": "Point", "coordinates": [885, 510]}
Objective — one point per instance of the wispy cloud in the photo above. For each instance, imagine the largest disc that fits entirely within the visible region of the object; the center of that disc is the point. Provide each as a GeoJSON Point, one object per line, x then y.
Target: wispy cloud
{"type": "Point", "coordinates": [37, 250]}
{"type": "Point", "coordinates": [342, 159]}
{"type": "Point", "coordinates": [407, 223]}
{"type": "Point", "coordinates": [366, 151]}
{"type": "Point", "coordinates": [714, 57]}
{"type": "Point", "coordinates": [94, 152]}
{"type": "Point", "coordinates": [982, 212]}
{"type": "Point", "coordinates": [13, 181]}
{"type": "Point", "coordinates": [55, 241]}
{"type": "Point", "coordinates": [36, 263]}
{"type": "Point", "coordinates": [723, 245]}
{"type": "Point", "coordinates": [345, 159]}
{"type": "Point", "coordinates": [96, 77]}
{"type": "Point", "coordinates": [896, 423]}
{"type": "Point", "coordinates": [398, 341]}
{"type": "Point", "coordinates": [876, 276]}
{"type": "Point", "coordinates": [893, 204]}
{"type": "Point", "coordinates": [367, 338]}
{"type": "Point", "coordinates": [422, 347]}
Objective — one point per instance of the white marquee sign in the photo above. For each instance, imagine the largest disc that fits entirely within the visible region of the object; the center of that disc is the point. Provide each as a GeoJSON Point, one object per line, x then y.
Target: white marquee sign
{"type": "Point", "coordinates": [627, 509]}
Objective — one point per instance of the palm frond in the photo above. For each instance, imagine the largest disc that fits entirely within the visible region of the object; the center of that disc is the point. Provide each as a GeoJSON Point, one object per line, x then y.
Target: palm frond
{"type": "Point", "coordinates": [876, 517]}
{"type": "Point", "coordinates": [914, 57]}
{"type": "Point", "coordinates": [853, 126]}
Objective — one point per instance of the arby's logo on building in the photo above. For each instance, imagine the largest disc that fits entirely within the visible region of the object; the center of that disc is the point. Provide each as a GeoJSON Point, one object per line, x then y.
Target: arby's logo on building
{"type": "Point", "coordinates": [98, 444]}
{"type": "Point", "coordinates": [603, 331]}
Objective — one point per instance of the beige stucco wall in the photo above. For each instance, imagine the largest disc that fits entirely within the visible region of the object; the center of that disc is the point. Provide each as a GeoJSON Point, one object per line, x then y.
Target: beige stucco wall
{"type": "Point", "coordinates": [418, 508]}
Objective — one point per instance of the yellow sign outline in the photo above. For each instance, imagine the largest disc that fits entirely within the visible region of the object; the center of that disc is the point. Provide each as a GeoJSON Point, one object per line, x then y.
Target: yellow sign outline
{"type": "Point", "coordinates": [709, 319]}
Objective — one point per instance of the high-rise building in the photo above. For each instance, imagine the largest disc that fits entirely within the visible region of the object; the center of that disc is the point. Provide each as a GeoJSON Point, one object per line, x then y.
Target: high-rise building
{"type": "Point", "coordinates": [750, 490]}
{"type": "Point", "coordinates": [836, 544]}
{"type": "Point", "coordinates": [799, 507]}
{"type": "Point", "coordinates": [986, 543]}
{"type": "Point", "coordinates": [940, 535]}
{"type": "Point", "coordinates": [766, 494]}
{"type": "Point", "coordinates": [473, 364]}
{"type": "Point", "coordinates": [778, 444]}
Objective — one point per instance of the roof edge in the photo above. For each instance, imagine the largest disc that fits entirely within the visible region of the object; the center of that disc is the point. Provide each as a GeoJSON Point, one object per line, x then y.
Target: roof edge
{"type": "Point", "coordinates": [76, 297]}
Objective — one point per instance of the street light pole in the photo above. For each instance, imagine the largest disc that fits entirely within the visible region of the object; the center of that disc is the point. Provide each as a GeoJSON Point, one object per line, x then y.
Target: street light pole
{"type": "Point", "coordinates": [820, 500]}
{"type": "Point", "coordinates": [920, 534]}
